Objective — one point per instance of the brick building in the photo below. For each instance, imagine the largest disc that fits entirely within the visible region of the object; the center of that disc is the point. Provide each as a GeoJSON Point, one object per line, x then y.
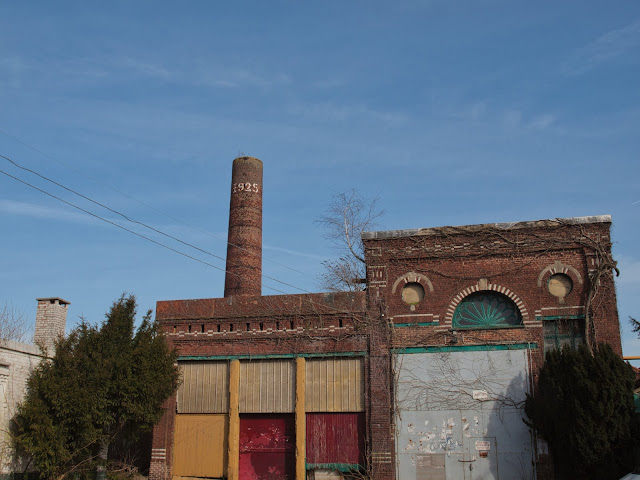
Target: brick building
{"type": "Point", "coordinates": [423, 375]}
{"type": "Point", "coordinates": [471, 311]}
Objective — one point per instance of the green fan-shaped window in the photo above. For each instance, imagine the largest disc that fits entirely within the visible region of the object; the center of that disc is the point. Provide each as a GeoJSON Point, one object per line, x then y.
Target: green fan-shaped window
{"type": "Point", "coordinates": [486, 310]}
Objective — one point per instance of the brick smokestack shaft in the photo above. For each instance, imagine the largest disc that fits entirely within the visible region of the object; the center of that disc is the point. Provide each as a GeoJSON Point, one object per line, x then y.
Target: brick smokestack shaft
{"type": "Point", "coordinates": [244, 247]}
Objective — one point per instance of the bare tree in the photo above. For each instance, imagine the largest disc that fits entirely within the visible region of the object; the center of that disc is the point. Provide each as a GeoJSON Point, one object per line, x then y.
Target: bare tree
{"type": "Point", "coordinates": [347, 216]}
{"type": "Point", "coordinates": [13, 324]}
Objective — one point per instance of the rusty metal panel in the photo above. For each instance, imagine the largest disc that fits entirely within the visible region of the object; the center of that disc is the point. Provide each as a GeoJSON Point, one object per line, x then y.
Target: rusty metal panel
{"type": "Point", "coordinates": [450, 403]}
{"type": "Point", "coordinates": [431, 467]}
{"type": "Point", "coordinates": [334, 385]}
{"type": "Point", "coordinates": [267, 447]}
{"type": "Point", "coordinates": [200, 446]}
{"type": "Point", "coordinates": [335, 438]}
{"type": "Point", "coordinates": [204, 388]}
{"type": "Point", "coordinates": [267, 386]}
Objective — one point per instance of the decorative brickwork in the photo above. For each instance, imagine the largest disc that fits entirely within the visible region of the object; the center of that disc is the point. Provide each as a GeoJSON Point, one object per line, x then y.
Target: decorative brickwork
{"type": "Point", "coordinates": [415, 281]}
{"type": "Point", "coordinates": [477, 288]}
{"type": "Point", "coordinates": [515, 260]}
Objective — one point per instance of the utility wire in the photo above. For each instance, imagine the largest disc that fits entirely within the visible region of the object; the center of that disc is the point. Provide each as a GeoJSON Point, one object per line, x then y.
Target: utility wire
{"type": "Point", "coordinates": [160, 243]}
{"type": "Point", "coordinates": [129, 230]}
{"type": "Point", "coordinates": [130, 219]}
{"type": "Point", "coordinates": [139, 201]}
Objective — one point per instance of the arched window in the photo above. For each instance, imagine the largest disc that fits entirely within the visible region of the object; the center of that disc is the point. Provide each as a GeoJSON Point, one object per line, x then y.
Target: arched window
{"type": "Point", "coordinates": [486, 309]}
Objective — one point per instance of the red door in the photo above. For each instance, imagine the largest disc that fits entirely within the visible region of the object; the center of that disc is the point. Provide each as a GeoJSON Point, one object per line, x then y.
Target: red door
{"type": "Point", "coordinates": [267, 447]}
{"type": "Point", "coordinates": [336, 438]}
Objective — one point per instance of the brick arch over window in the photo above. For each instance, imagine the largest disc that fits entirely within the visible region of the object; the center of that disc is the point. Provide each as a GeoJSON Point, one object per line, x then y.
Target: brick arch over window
{"type": "Point", "coordinates": [485, 287]}
{"type": "Point", "coordinates": [559, 267]}
{"type": "Point", "coordinates": [412, 277]}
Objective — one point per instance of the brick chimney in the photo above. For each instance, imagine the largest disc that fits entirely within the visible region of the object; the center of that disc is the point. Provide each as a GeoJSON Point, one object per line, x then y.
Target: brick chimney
{"type": "Point", "coordinates": [51, 321]}
{"type": "Point", "coordinates": [244, 246]}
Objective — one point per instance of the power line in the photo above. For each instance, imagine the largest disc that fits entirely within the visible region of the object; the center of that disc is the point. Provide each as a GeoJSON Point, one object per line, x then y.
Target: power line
{"type": "Point", "coordinates": [312, 302]}
{"type": "Point", "coordinates": [136, 200]}
{"type": "Point", "coordinates": [136, 233]}
{"type": "Point", "coordinates": [127, 218]}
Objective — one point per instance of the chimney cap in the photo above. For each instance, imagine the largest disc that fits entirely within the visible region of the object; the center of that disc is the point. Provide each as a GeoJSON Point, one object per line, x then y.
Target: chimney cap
{"type": "Point", "coordinates": [245, 159]}
{"type": "Point", "coordinates": [48, 299]}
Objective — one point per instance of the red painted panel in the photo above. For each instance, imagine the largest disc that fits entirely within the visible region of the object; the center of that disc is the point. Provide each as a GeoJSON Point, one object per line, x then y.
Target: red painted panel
{"type": "Point", "coordinates": [267, 466]}
{"type": "Point", "coordinates": [335, 438]}
{"type": "Point", "coordinates": [267, 447]}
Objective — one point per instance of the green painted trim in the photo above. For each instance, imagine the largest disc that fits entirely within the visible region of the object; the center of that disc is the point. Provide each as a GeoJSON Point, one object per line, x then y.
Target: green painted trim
{"type": "Point", "coordinates": [341, 467]}
{"type": "Point", "coordinates": [468, 348]}
{"type": "Point", "coordinates": [422, 324]}
{"type": "Point", "coordinates": [273, 356]}
{"type": "Point", "coordinates": [560, 317]}
{"type": "Point", "coordinates": [490, 327]}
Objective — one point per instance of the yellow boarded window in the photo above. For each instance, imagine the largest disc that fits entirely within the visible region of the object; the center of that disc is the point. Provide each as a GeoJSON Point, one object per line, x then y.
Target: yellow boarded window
{"type": "Point", "coordinates": [200, 446]}
{"type": "Point", "coordinates": [204, 388]}
{"type": "Point", "coordinates": [334, 385]}
{"type": "Point", "coordinates": [267, 386]}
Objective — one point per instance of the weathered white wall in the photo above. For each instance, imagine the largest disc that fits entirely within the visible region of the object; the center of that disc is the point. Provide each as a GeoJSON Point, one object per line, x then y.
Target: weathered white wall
{"type": "Point", "coordinates": [451, 403]}
{"type": "Point", "coordinates": [16, 362]}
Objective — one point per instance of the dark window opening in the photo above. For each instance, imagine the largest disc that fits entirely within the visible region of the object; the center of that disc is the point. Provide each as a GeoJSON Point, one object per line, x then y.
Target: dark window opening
{"type": "Point", "coordinates": [563, 331]}
{"type": "Point", "coordinates": [277, 325]}
{"type": "Point", "coordinates": [218, 328]}
{"type": "Point", "coordinates": [291, 324]}
{"type": "Point", "coordinates": [248, 327]}
{"type": "Point", "coordinates": [231, 327]}
{"type": "Point", "coordinates": [340, 323]}
{"type": "Point", "coordinates": [202, 328]}
{"type": "Point", "coordinates": [189, 328]}
{"type": "Point", "coordinates": [261, 326]}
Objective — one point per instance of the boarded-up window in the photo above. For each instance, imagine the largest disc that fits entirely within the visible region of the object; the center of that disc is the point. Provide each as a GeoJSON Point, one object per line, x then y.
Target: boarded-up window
{"type": "Point", "coordinates": [267, 386]}
{"type": "Point", "coordinates": [334, 385]}
{"type": "Point", "coordinates": [561, 332]}
{"type": "Point", "coordinates": [204, 388]}
{"type": "Point", "coordinates": [267, 447]}
{"type": "Point", "coordinates": [200, 446]}
{"type": "Point", "coordinates": [335, 438]}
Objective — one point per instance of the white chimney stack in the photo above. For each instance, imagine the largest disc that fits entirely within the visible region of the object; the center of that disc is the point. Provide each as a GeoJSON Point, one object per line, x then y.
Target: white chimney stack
{"type": "Point", "coordinates": [51, 321]}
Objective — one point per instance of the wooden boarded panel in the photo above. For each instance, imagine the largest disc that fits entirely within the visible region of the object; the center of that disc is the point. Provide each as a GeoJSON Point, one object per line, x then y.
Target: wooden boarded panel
{"type": "Point", "coordinates": [267, 447]}
{"type": "Point", "coordinates": [267, 386]}
{"type": "Point", "coordinates": [334, 385]}
{"type": "Point", "coordinates": [335, 438]}
{"type": "Point", "coordinates": [200, 446]}
{"type": "Point", "coordinates": [204, 388]}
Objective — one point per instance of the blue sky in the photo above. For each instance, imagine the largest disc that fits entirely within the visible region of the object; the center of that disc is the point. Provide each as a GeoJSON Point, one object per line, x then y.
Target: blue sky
{"type": "Point", "coordinates": [453, 112]}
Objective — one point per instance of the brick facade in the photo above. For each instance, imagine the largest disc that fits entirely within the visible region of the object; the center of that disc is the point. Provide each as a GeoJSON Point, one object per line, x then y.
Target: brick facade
{"type": "Point", "coordinates": [543, 272]}
{"type": "Point", "coordinates": [516, 260]}
{"type": "Point", "coordinates": [274, 326]}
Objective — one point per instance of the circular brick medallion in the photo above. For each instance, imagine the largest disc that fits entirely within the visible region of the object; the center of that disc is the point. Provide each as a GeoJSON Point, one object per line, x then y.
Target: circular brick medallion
{"type": "Point", "coordinates": [412, 293]}
{"type": "Point", "coordinates": [560, 285]}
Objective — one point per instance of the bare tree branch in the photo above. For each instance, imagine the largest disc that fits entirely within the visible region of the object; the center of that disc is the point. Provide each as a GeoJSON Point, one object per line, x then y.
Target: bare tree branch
{"type": "Point", "coordinates": [13, 324]}
{"type": "Point", "coordinates": [347, 216]}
